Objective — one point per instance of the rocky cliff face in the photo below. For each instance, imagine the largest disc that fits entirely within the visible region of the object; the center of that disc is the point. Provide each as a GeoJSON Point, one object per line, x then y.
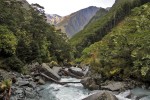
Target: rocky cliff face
{"type": "Point", "coordinates": [54, 19]}
{"type": "Point", "coordinates": [75, 22]}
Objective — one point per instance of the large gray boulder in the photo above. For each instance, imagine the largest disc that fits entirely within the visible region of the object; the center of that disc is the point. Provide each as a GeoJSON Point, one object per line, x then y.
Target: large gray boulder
{"type": "Point", "coordinates": [76, 71]}
{"type": "Point", "coordinates": [56, 69]}
{"type": "Point", "coordinates": [114, 86]}
{"type": "Point", "coordinates": [90, 83]}
{"type": "Point", "coordinates": [49, 72]}
{"type": "Point", "coordinates": [101, 95]}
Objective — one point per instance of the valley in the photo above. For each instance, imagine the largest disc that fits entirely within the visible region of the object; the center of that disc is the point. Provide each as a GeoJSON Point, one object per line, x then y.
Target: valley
{"type": "Point", "coordinates": [94, 53]}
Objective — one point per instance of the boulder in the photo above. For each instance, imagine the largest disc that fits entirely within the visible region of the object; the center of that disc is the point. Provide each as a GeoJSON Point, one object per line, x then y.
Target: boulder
{"type": "Point", "coordinates": [114, 86]}
{"type": "Point", "coordinates": [93, 86]}
{"type": "Point", "coordinates": [76, 71]}
{"type": "Point", "coordinates": [86, 82]}
{"type": "Point", "coordinates": [37, 78]}
{"type": "Point", "coordinates": [85, 70]}
{"type": "Point", "coordinates": [56, 69]}
{"type": "Point", "coordinates": [49, 72]}
{"type": "Point", "coordinates": [30, 93]}
{"type": "Point", "coordinates": [90, 83]}
{"type": "Point", "coordinates": [41, 82]}
{"type": "Point", "coordinates": [101, 95]}
{"type": "Point", "coordinates": [22, 83]}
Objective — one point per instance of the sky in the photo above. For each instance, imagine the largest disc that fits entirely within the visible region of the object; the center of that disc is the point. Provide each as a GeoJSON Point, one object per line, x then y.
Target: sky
{"type": "Point", "coordinates": [66, 7]}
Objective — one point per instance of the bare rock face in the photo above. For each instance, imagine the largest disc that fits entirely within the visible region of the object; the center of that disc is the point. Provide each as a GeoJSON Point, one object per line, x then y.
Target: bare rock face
{"type": "Point", "coordinates": [53, 19]}
{"type": "Point", "coordinates": [76, 21]}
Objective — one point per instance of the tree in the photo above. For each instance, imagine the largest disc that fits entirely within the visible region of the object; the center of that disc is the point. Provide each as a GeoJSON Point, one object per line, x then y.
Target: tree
{"type": "Point", "coordinates": [8, 42]}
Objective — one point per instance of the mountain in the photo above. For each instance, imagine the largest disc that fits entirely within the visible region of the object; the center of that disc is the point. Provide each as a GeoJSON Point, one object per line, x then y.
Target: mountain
{"type": "Point", "coordinates": [75, 22]}
{"type": "Point", "coordinates": [108, 8]}
{"type": "Point", "coordinates": [95, 31]}
{"type": "Point", "coordinates": [100, 13]}
{"type": "Point", "coordinates": [53, 19]}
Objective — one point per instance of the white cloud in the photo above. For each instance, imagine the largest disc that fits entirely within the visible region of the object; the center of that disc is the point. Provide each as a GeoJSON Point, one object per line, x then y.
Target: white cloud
{"type": "Point", "coordinates": [65, 7]}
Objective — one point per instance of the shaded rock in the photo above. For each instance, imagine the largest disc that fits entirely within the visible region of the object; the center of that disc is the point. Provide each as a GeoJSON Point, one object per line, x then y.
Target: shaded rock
{"type": "Point", "coordinates": [49, 72]}
{"type": "Point", "coordinates": [32, 84]}
{"type": "Point", "coordinates": [30, 94]}
{"type": "Point", "coordinates": [86, 82]}
{"type": "Point", "coordinates": [76, 71]}
{"type": "Point", "coordinates": [41, 82]}
{"type": "Point", "coordinates": [28, 89]}
{"type": "Point", "coordinates": [37, 78]}
{"type": "Point", "coordinates": [93, 86]}
{"type": "Point", "coordinates": [101, 95]}
{"type": "Point", "coordinates": [90, 83]}
{"type": "Point", "coordinates": [114, 86]}
{"type": "Point", "coordinates": [56, 69]}
{"type": "Point", "coordinates": [14, 80]}
{"type": "Point", "coordinates": [27, 76]}
{"type": "Point", "coordinates": [85, 70]}
{"type": "Point", "coordinates": [22, 83]}
{"type": "Point", "coordinates": [19, 91]}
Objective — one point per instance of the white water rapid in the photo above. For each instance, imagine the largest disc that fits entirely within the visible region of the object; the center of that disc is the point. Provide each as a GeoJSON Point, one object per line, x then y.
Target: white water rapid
{"type": "Point", "coordinates": [77, 92]}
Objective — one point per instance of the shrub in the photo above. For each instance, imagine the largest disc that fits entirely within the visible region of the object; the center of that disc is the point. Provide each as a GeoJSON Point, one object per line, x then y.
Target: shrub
{"type": "Point", "coordinates": [13, 63]}
{"type": "Point", "coordinates": [8, 41]}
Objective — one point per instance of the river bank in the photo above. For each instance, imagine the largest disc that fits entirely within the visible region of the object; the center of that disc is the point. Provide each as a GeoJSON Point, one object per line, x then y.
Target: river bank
{"type": "Point", "coordinates": [59, 84]}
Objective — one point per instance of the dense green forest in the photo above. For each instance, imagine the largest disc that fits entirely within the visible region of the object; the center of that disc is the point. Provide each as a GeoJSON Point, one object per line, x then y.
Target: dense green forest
{"type": "Point", "coordinates": [25, 37]}
{"type": "Point", "coordinates": [123, 52]}
{"type": "Point", "coordinates": [96, 30]}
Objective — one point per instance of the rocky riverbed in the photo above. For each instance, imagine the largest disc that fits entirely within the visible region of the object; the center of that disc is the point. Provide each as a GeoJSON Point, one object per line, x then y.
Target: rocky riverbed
{"type": "Point", "coordinates": [57, 83]}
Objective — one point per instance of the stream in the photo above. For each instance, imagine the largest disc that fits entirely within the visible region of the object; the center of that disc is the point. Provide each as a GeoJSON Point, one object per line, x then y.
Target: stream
{"type": "Point", "coordinates": [77, 92]}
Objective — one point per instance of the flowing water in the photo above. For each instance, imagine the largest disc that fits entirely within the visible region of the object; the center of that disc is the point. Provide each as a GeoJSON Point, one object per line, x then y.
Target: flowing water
{"type": "Point", "coordinates": [77, 92]}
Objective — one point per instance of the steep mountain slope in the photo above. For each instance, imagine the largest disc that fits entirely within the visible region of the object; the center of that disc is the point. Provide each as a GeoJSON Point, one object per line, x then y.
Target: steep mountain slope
{"type": "Point", "coordinates": [108, 8]}
{"type": "Point", "coordinates": [124, 52]}
{"type": "Point", "coordinates": [75, 22]}
{"type": "Point", "coordinates": [99, 28]}
{"type": "Point", "coordinates": [53, 19]}
{"type": "Point", "coordinates": [100, 13]}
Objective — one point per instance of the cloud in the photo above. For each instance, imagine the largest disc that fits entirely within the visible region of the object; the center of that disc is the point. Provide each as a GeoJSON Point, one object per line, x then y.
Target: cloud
{"type": "Point", "coordinates": [65, 7]}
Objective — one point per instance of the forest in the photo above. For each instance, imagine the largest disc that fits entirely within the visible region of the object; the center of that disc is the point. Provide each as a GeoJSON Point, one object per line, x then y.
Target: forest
{"type": "Point", "coordinates": [26, 37]}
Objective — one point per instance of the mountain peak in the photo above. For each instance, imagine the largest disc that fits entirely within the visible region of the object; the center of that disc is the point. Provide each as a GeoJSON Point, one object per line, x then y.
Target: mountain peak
{"type": "Point", "coordinates": [76, 21]}
{"type": "Point", "coordinates": [53, 18]}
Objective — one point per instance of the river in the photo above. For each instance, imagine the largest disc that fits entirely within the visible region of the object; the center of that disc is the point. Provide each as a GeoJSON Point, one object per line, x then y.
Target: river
{"type": "Point", "coordinates": [77, 91]}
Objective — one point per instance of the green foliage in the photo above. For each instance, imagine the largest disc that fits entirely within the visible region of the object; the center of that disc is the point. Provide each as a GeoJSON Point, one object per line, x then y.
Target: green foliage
{"type": "Point", "coordinates": [125, 50]}
{"type": "Point", "coordinates": [5, 85]}
{"type": "Point", "coordinates": [97, 29]}
{"type": "Point", "coordinates": [25, 34]}
{"type": "Point", "coordinates": [13, 63]}
{"type": "Point", "coordinates": [8, 41]}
